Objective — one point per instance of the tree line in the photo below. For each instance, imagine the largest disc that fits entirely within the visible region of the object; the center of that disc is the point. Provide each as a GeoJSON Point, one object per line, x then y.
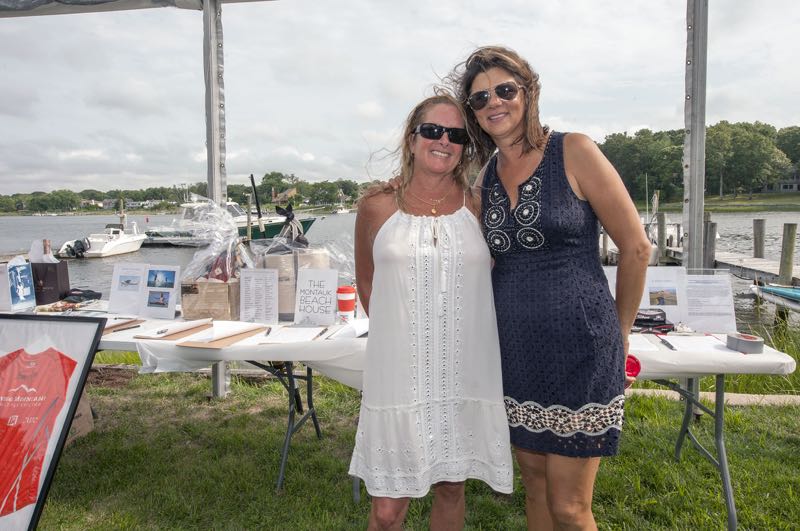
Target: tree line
{"type": "Point", "coordinates": [740, 158]}
{"type": "Point", "coordinates": [319, 193]}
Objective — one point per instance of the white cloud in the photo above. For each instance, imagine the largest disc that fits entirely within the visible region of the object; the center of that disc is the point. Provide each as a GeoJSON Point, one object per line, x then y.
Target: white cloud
{"type": "Point", "coordinates": [369, 109]}
{"type": "Point", "coordinates": [111, 99]}
{"type": "Point", "coordinates": [82, 154]}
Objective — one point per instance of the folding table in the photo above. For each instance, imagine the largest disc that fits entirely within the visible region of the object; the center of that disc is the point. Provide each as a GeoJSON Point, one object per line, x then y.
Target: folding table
{"type": "Point", "coordinates": [693, 358]}
{"type": "Point", "coordinates": [340, 358]}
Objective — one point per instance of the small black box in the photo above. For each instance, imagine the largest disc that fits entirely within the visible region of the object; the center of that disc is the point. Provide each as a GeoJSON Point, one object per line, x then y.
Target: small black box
{"type": "Point", "coordinates": [50, 282]}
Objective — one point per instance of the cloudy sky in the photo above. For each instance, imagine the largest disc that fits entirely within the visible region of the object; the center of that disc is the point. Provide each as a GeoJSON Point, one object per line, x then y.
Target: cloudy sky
{"type": "Point", "coordinates": [321, 88]}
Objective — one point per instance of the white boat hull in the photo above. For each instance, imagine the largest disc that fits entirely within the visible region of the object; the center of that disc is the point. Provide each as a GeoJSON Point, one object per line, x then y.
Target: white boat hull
{"type": "Point", "coordinates": [126, 244]}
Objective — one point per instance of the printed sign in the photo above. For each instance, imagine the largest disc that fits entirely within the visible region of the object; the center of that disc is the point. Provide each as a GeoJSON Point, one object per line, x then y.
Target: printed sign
{"type": "Point", "coordinates": [315, 303]}
{"type": "Point", "coordinates": [258, 296]}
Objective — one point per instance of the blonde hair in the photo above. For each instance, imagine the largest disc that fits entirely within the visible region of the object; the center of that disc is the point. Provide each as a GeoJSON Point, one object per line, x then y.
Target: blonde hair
{"type": "Point", "coordinates": [481, 60]}
{"type": "Point", "coordinates": [404, 150]}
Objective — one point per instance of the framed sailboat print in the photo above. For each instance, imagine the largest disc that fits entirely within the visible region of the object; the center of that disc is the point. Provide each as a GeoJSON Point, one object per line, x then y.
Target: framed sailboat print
{"type": "Point", "coordinates": [44, 362]}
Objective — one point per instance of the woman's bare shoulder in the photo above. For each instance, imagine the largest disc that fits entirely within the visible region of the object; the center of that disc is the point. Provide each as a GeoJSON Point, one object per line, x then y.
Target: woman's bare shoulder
{"type": "Point", "coordinates": [578, 145]}
{"type": "Point", "coordinates": [375, 209]}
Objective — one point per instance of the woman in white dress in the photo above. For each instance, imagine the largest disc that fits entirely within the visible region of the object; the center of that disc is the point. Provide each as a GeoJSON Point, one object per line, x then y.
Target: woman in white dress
{"type": "Point", "coordinates": [432, 410]}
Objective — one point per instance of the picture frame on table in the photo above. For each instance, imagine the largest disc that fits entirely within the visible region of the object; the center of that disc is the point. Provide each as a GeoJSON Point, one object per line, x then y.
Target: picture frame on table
{"type": "Point", "coordinates": [44, 363]}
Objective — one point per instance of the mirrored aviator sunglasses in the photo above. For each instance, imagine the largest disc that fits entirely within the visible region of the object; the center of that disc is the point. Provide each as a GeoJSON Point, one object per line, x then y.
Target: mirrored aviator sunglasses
{"type": "Point", "coordinates": [456, 135]}
{"type": "Point", "coordinates": [505, 91]}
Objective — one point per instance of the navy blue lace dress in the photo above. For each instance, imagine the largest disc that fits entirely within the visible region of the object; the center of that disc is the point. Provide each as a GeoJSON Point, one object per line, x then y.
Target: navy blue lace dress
{"type": "Point", "coordinates": [561, 346]}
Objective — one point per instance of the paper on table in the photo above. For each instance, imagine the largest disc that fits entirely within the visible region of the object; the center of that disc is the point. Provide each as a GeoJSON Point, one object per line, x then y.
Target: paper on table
{"type": "Point", "coordinates": [639, 343]}
{"type": "Point", "coordinates": [355, 328]}
{"type": "Point", "coordinates": [118, 321]}
{"type": "Point", "coordinates": [213, 336]}
{"type": "Point", "coordinates": [294, 334]}
{"type": "Point", "coordinates": [168, 330]}
{"type": "Point", "coordinates": [697, 344]}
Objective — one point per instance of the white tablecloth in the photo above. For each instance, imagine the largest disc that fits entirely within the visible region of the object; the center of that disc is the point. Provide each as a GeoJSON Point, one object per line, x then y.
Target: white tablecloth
{"type": "Point", "coordinates": [343, 358]}
{"type": "Point", "coordinates": [663, 363]}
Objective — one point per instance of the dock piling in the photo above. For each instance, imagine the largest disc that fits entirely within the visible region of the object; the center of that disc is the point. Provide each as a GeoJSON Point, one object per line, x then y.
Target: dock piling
{"type": "Point", "coordinates": [662, 234]}
{"type": "Point", "coordinates": [785, 269]}
{"type": "Point", "coordinates": [787, 253]}
{"type": "Point", "coordinates": [759, 230]}
{"type": "Point", "coordinates": [709, 245]}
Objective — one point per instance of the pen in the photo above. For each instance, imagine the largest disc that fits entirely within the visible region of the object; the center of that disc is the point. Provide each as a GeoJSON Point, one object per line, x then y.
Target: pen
{"type": "Point", "coordinates": [320, 334]}
{"type": "Point", "coordinates": [126, 328]}
{"type": "Point", "coordinates": [667, 343]}
{"type": "Point", "coordinates": [269, 329]}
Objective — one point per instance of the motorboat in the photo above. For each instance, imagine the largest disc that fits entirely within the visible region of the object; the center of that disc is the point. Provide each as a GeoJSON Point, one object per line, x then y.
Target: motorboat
{"type": "Point", "coordinates": [112, 241]}
{"type": "Point", "coordinates": [194, 227]}
{"type": "Point", "coordinates": [341, 209]}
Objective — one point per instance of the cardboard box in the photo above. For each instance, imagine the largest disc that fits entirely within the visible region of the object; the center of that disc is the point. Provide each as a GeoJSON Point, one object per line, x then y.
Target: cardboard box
{"type": "Point", "coordinates": [218, 300]}
{"type": "Point", "coordinates": [50, 282]}
{"type": "Point", "coordinates": [82, 422]}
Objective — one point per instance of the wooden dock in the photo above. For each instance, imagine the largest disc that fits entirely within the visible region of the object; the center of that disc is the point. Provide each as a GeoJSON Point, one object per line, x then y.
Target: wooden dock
{"type": "Point", "coordinates": [743, 266]}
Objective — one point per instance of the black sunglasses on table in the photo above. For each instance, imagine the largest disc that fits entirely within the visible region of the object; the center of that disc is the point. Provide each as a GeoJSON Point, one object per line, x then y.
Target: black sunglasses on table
{"type": "Point", "coordinates": [505, 91]}
{"type": "Point", "coordinates": [457, 135]}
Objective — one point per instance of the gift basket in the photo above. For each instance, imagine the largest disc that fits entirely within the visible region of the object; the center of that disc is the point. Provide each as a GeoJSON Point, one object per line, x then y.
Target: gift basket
{"type": "Point", "coordinates": [290, 252]}
{"type": "Point", "coordinates": [210, 283]}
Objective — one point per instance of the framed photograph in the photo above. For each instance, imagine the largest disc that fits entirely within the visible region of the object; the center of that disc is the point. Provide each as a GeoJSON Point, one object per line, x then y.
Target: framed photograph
{"type": "Point", "coordinates": [161, 293]}
{"type": "Point", "coordinates": [16, 286]}
{"type": "Point", "coordinates": [44, 361]}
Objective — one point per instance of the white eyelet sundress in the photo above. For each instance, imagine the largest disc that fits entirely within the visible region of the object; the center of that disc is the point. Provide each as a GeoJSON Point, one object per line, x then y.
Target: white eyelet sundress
{"type": "Point", "coordinates": [432, 406]}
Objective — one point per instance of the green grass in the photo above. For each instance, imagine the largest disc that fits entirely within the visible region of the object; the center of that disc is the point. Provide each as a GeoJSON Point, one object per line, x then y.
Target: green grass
{"type": "Point", "coordinates": [117, 357]}
{"type": "Point", "coordinates": [773, 202]}
{"type": "Point", "coordinates": [164, 456]}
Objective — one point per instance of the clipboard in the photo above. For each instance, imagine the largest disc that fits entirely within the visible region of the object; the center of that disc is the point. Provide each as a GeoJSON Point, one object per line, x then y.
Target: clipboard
{"type": "Point", "coordinates": [183, 330]}
{"type": "Point", "coordinates": [122, 325]}
{"type": "Point", "coordinates": [224, 340]}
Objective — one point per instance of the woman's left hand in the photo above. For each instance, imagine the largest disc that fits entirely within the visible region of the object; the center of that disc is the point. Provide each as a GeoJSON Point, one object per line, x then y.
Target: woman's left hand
{"type": "Point", "coordinates": [629, 380]}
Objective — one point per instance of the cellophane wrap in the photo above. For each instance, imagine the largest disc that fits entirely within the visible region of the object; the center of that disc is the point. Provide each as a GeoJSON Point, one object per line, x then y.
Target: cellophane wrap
{"type": "Point", "coordinates": [225, 254]}
{"type": "Point", "coordinates": [289, 256]}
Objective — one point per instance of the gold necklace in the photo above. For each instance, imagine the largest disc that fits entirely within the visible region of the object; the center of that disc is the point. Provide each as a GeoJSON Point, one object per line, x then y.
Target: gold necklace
{"type": "Point", "coordinates": [432, 202]}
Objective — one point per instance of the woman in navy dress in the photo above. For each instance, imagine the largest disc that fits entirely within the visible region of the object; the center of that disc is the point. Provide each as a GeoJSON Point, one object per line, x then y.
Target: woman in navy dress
{"type": "Point", "coordinates": [563, 337]}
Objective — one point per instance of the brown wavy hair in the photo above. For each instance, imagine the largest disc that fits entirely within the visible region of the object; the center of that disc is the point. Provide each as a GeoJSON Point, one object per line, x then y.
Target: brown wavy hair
{"type": "Point", "coordinates": [460, 81]}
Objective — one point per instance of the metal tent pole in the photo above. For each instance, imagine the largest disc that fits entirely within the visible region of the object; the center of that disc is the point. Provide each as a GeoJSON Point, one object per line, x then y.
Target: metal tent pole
{"type": "Point", "coordinates": [694, 146]}
{"type": "Point", "coordinates": [215, 134]}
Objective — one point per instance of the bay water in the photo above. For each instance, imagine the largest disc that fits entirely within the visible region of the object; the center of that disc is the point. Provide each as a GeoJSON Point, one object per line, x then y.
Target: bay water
{"type": "Point", "coordinates": [336, 231]}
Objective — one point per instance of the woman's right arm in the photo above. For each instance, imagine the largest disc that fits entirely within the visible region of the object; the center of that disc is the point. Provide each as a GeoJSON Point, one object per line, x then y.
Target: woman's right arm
{"type": "Point", "coordinates": [365, 267]}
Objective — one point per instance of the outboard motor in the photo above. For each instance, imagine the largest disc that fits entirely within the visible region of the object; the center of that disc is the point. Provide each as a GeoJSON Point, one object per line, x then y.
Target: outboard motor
{"type": "Point", "coordinates": [74, 249]}
{"type": "Point", "coordinates": [79, 247]}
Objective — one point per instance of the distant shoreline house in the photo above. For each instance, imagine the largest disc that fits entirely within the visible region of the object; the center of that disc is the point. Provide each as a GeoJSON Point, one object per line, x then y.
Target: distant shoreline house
{"type": "Point", "coordinates": [790, 183]}
{"type": "Point", "coordinates": [86, 203]}
{"type": "Point", "coordinates": [284, 196]}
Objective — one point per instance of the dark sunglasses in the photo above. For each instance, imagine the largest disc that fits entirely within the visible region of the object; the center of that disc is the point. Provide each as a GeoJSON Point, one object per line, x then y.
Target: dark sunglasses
{"type": "Point", "coordinates": [457, 135]}
{"type": "Point", "coordinates": [505, 91]}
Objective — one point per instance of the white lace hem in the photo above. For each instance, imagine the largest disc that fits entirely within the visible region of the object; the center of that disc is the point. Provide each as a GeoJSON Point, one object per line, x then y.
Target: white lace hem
{"type": "Point", "coordinates": [590, 419]}
{"type": "Point", "coordinates": [419, 484]}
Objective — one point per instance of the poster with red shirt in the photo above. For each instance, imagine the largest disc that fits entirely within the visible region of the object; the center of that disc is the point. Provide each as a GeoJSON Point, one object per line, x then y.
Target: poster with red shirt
{"type": "Point", "coordinates": [44, 361]}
